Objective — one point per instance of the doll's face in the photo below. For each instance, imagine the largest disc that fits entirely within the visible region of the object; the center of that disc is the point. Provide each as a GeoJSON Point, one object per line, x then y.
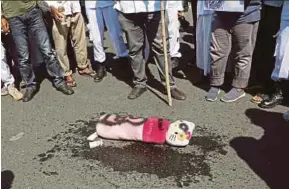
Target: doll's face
{"type": "Point", "coordinates": [180, 133]}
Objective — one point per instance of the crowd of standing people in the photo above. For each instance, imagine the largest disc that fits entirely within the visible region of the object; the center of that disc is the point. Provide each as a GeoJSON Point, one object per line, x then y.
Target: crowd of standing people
{"type": "Point", "coordinates": [256, 38]}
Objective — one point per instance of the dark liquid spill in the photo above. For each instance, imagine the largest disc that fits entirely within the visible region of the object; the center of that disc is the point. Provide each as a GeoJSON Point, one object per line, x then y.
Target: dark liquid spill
{"type": "Point", "coordinates": [161, 160]}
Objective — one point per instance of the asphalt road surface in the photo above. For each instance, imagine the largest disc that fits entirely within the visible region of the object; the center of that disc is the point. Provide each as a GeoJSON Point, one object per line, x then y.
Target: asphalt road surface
{"type": "Point", "coordinates": [234, 145]}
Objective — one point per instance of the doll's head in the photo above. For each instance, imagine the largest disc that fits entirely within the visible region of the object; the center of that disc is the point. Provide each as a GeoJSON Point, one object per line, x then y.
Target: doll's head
{"type": "Point", "coordinates": [180, 133]}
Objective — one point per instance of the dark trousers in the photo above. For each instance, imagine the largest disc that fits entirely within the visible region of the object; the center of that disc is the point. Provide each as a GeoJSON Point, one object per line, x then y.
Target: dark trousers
{"type": "Point", "coordinates": [265, 46]}
{"type": "Point", "coordinates": [240, 39]}
{"type": "Point", "coordinates": [137, 28]}
{"type": "Point", "coordinates": [31, 24]}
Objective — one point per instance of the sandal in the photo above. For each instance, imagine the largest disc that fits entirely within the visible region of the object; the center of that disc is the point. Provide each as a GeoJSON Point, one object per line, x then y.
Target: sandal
{"type": "Point", "coordinates": [258, 98]}
{"type": "Point", "coordinates": [70, 82]}
{"type": "Point", "coordinates": [85, 74]}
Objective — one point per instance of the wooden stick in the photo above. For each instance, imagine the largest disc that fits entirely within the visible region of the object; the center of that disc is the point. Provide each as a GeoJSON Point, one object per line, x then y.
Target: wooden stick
{"type": "Point", "coordinates": [165, 53]}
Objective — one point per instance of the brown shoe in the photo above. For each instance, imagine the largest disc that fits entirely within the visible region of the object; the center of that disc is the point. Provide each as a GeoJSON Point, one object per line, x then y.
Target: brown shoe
{"type": "Point", "coordinates": [177, 94]}
{"type": "Point", "coordinates": [136, 92]}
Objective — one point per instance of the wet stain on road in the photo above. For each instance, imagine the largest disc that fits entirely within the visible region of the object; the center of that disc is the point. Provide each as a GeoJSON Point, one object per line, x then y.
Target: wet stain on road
{"type": "Point", "coordinates": [184, 165]}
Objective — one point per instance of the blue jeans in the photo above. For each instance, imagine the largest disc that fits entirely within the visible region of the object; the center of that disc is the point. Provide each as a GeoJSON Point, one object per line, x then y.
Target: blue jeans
{"type": "Point", "coordinates": [31, 24]}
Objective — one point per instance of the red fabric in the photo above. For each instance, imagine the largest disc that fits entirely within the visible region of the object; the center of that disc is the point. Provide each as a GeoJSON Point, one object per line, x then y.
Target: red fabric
{"type": "Point", "coordinates": [154, 130]}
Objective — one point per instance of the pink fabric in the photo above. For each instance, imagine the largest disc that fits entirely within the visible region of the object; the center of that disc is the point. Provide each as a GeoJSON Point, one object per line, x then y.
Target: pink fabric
{"type": "Point", "coordinates": [120, 128]}
{"type": "Point", "coordinates": [154, 130]}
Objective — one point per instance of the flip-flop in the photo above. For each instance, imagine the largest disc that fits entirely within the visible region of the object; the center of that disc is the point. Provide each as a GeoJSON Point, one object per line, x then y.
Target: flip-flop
{"type": "Point", "coordinates": [258, 98]}
{"type": "Point", "coordinates": [91, 74]}
{"type": "Point", "coordinates": [71, 83]}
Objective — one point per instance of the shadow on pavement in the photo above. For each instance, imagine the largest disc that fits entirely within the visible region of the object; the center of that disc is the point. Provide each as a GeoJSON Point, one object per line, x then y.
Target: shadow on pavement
{"type": "Point", "coordinates": [7, 178]}
{"type": "Point", "coordinates": [268, 157]}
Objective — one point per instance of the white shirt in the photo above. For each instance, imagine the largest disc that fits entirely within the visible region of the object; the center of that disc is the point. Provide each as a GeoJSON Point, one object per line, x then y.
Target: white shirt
{"type": "Point", "coordinates": [70, 7]}
{"type": "Point", "coordinates": [175, 5]}
{"type": "Point", "coordinates": [98, 4]}
{"type": "Point", "coordinates": [138, 6]}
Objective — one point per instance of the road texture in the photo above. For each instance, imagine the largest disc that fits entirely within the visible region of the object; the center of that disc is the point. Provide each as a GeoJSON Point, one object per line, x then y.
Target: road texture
{"type": "Point", "coordinates": [234, 145]}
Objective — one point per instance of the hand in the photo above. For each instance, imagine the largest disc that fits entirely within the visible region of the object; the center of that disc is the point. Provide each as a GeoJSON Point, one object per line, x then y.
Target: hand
{"type": "Point", "coordinates": [56, 14]}
{"type": "Point", "coordinates": [5, 26]}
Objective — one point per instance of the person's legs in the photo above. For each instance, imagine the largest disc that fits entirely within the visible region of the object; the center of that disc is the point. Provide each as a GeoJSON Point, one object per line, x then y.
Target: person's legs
{"type": "Point", "coordinates": [244, 38]}
{"type": "Point", "coordinates": [221, 44]}
{"type": "Point", "coordinates": [60, 36]}
{"type": "Point", "coordinates": [114, 30]}
{"type": "Point", "coordinates": [154, 35]}
{"type": "Point", "coordinates": [281, 70]}
{"type": "Point", "coordinates": [96, 25]}
{"type": "Point", "coordinates": [38, 31]}
{"type": "Point", "coordinates": [95, 17]}
{"type": "Point", "coordinates": [174, 35]}
{"type": "Point", "coordinates": [79, 40]}
{"type": "Point", "coordinates": [20, 38]}
{"type": "Point", "coordinates": [7, 78]}
{"type": "Point", "coordinates": [263, 57]}
{"type": "Point", "coordinates": [133, 27]}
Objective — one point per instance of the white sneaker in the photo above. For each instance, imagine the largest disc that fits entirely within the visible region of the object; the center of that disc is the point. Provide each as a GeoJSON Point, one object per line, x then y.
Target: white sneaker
{"type": "Point", "coordinates": [4, 91]}
{"type": "Point", "coordinates": [17, 95]}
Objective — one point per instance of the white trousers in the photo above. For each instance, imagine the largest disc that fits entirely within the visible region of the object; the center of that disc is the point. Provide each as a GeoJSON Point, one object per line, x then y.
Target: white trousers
{"type": "Point", "coordinates": [6, 76]}
{"type": "Point", "coordinates": [281, 70]}
{"type": "Point", "coordinates": [97, 17]}
{"type": "Point", "coordinates": [174, 33]}
{"type": "Point", "coordinates": [203, 40]}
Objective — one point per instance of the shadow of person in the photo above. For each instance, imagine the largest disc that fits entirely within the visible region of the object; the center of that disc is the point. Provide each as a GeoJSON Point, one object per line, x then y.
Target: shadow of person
{"type": "Point", "coordinates": [7, 178]}
{"type": "Point", "coordinates": [268, 157]}
{"type": "Point", "coordinates": [120, 70]}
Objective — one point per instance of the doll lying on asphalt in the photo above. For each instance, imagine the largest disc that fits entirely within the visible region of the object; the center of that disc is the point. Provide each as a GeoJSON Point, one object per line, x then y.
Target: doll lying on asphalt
{"type": "Point", "coordinates": [151, 130]}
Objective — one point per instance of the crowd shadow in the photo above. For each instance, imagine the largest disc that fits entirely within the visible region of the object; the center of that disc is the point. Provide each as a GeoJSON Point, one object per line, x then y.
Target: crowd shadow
{"type": "Point", "coordinates": [268, 157]}
{"type": "Point", "coordinates": [7, 178]}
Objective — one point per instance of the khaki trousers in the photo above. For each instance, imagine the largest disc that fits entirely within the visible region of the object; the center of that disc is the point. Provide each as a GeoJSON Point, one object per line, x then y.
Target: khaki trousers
{"type": "Point", "coordinates": [71, 28]}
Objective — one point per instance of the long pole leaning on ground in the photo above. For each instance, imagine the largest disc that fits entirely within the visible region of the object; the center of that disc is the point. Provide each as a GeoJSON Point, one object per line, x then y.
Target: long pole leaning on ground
{"type": "Point", "coordinates": [164, 37]}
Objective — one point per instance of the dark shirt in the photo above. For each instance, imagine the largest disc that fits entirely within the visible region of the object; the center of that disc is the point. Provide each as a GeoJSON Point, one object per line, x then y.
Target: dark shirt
{"type": "Point", "coordinates": [251, 14]}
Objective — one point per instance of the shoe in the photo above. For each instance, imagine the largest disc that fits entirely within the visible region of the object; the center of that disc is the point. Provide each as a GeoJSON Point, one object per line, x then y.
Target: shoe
{"type": "Point", "coordinates": [184, 24]}
{"type": "Point", "coordinates": [17, 95]}
{"type": "Point", "coordinates": [213, 93]}
{"type": "Point", "coordinates": [29, 93]}
{"type": "Point", "coordinates": [274, 100]}
{"type": "Point", "coordinates": [136, 92]}
{"type": "Point", "coordinates": [233, 95]}
{"type": "Point", "coordinates": [175, 62]}
{"type": "Point", "coordinates": [100, 73]}
{"type": "Point", "coordinates": [177, 94]}
{"type": "Point", "coordinates": [65, 89]}
{"type": "Point", "coordinates": [4, 91]}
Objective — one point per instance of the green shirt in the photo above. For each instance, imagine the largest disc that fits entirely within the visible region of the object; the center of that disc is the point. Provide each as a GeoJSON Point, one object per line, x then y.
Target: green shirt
{"type": "Point", "coordinates": [13, 8]}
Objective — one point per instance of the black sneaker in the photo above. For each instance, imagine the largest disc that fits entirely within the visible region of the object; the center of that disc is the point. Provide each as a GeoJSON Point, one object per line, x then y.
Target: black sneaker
{"type": "Point", "coordinates": [29, 93]}
{"type": "Point", "coordinates": [100, 73]}
{"type": "Point", "coordinates": [65, 89]}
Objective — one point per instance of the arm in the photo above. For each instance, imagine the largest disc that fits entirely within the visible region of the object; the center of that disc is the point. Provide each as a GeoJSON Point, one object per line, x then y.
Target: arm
{"type": "Point", "coordinates": [54, 10]}
{"type": "Point", "coordinates": [4, 23]}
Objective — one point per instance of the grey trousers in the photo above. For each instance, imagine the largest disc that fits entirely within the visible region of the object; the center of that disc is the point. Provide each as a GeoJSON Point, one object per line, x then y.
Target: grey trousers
{"type": "Point", "coordinates": [138, 27]}
{"type": "Point", "coordinates": [240, 39]}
